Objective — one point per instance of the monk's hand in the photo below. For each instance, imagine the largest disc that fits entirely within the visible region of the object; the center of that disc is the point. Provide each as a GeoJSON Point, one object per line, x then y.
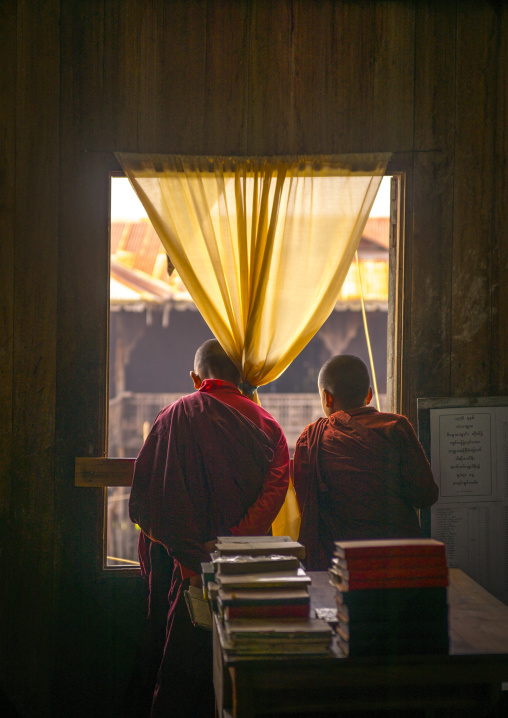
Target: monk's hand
{"type": "Point", "coordinates": [196, 581]}
{"type": "Point", "coordinates": [210, 545]}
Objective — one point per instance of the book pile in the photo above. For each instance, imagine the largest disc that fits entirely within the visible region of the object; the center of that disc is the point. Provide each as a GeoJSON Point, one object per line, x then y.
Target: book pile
{"type": "Point", "coordinates": [391, 596]}
{"type": "Point", "coordinates": [259, 589]}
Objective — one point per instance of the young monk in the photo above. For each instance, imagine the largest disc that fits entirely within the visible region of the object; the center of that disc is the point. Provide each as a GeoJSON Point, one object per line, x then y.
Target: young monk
{"type": "Point", "coordinates": [359, 473]}
{"type": "Point", "coordinates": [215, 463]}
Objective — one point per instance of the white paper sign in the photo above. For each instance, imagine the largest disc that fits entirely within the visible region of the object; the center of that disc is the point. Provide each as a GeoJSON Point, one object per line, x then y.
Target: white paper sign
{"type": "Point", "coordinates": [469, 458]}
{"type": "Point", "coordinates": [465, 455]}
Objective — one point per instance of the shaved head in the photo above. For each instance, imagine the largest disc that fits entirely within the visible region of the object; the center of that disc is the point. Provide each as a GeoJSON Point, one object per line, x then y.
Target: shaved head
{"type": "Point", "coordinates": [346, 378]}
{"type": "Point", "coordinates": [212, 362]}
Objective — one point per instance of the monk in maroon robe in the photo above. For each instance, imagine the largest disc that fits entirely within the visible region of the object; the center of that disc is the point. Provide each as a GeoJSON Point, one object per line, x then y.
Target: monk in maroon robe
{"type": "Point", "coordinates": [214, 464]}
{"type": "Point", "coordinates": [358, 473]}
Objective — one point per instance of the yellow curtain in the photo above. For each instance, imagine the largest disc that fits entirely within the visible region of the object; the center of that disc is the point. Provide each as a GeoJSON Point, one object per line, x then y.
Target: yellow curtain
{"type": "Point", "coordinates": [262, 245]}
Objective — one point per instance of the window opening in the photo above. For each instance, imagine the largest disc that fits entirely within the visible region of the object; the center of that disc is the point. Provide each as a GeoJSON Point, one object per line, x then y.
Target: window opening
{"type": "Point", "coordinates": [155, 329]}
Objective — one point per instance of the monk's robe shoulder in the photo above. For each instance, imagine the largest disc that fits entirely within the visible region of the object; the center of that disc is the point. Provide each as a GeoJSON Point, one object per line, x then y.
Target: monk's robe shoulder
{"type": "Point", "coordinates": [311, 431]}
{"type": "Point", "coordinates": [370, 417]}
{"type": "Point", "coordinates": [186, 405]}
{"type": "Point", "coordinates": [307, 447]}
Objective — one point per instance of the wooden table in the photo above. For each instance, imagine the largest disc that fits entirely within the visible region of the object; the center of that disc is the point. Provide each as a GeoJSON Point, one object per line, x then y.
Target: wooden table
{"type": "Point", "coordinates": [469, 678]}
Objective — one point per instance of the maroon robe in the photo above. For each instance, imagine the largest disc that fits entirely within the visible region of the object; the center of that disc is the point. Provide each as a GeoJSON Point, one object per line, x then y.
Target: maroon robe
{"type": "Point", "coordinates": [201, 468]}
{"type": "Point", "coordinates": [359, 475]}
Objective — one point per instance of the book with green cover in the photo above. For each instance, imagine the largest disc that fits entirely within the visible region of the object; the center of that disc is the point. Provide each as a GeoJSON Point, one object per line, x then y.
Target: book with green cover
{"type": "Point", "coordinates": [388, 547]}
{"type": "Point", "coordinates": [385, 581]}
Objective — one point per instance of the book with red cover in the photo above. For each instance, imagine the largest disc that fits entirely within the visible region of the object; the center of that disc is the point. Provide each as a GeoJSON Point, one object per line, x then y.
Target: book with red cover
{"type": "Point", "coordinates": [361, 583]}
{"type": "Point", "coordinates": [359, 574]}
{"type": "Point", "coordinates": [392, 563]}
{"type": "Point", "coordinates": [388, 547]}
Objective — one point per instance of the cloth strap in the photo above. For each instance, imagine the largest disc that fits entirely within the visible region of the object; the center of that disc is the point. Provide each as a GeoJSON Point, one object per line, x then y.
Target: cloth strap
{"type": "Point", "coordinates": [247, 388]}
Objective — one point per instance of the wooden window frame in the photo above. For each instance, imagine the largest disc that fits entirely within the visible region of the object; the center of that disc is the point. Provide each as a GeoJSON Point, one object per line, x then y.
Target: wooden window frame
{"type": "Point", "coordinates": [103, 472]}
{"type": "Point", "coordinates": [396, 293]}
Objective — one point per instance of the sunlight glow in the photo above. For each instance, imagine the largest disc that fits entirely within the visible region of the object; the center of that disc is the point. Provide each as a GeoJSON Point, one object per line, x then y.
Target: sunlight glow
{"type": "Point", "coordinates": [381, 206]}
{"type": "Point", "coordinates": [126, 207]}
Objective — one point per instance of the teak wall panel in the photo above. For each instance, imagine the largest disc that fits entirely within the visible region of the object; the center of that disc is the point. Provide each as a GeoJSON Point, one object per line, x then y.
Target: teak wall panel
{"type": "Point", "coordinates": [81, 416]}
{"type": "Point", "coordinates": [499, 351]}
{"type": "Point", "coordinates": [123, 22]}
{"type": "Point", "coordinates": [149, 96]}
{"type": "Point", "coordinates": [432, 219]}
{"type": "Point", "coordinates": [34, 346]}
{"type": "Point", "coordinates": [315, 112]}
{"type": "Point", "coordinates": [227, 71]}
{"type": "Point", "coordinates": [473, 199]}
{"type": "Point", "coordinates": [393, 103]}
{"type": "Point", "coordinates": [83, 35]}
{"type": "Point", "coordinates": [434, 101]}
{"type": "Point", "coordinates": [7, 253]}
{"type": "Point", "coordinates": [271, 128]}
{"type": "Point", "coordinates": [331, 113]}
{"type": "Point", "coordinates": [81, 398]}
{"type": "Point", "coordinates": [105, 651]}
{"type": "Point", "coordinates": [429, 281]}
{"type": "Point", "coordinates": [183, 71]}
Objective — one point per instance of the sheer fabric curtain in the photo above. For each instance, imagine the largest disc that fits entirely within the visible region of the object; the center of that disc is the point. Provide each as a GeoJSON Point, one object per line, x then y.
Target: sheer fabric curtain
{"type": "Point", "coordinates": [262, 245]}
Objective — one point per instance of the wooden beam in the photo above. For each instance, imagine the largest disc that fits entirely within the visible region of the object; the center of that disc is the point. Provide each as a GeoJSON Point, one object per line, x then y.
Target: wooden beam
{"type": "Point", "coordinates": [100, 471]}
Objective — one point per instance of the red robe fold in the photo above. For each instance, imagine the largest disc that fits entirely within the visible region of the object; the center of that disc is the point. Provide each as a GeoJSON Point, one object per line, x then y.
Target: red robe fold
{"type": "Point", "coordinates": [202, 466]}
{"type": "Point", "coordinates": [214, 463]}
{"type": "Point", "coordinates": [359, 475]}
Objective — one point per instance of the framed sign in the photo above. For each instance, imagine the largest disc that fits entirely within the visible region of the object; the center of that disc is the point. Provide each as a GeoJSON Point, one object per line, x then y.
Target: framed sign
{"type": "Point", "coordinates": [466, 441]}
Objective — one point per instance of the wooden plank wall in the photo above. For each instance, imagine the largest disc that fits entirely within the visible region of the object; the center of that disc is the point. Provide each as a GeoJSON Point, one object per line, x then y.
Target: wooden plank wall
{"type": "Point", "coordinates": [32, 183]}
{"type": "Point", "coordinates": [425, 80]}
{"type": "Point", "coordinates": [7, 254]}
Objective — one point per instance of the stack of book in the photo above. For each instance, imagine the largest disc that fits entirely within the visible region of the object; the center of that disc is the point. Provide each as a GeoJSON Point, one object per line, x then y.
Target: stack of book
{"type": "Point", "coordinates": [260, 592]}
{"type": "Point", "coordinates": [391, 596]}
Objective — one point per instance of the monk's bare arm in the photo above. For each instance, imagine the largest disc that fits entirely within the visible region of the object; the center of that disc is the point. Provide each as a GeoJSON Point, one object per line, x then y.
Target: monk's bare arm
{"type": "Point", "coordinates": [419, 485]}
{"type": "Point", "coordinates": [258, 519]}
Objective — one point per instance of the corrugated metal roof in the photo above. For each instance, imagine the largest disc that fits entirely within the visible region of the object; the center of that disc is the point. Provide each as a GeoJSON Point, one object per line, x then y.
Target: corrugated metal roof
{"type": "Point", "coordinates": [137, 245]}
{"type": "Point", "coordinates": [139, 268]}
{"type": "Point", "coordinates": [120, 293]}
{"type": "Point", "coordinates": [150, 288]}
{"type": "Point", "coordinates": [377, 230]}
{"type": "Point", "coordinates": [116, 235]}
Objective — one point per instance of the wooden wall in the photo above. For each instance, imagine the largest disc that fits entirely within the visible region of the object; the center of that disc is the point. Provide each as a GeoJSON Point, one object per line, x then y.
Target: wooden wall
{"type": "Point", "coordinates": [425, 80]}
